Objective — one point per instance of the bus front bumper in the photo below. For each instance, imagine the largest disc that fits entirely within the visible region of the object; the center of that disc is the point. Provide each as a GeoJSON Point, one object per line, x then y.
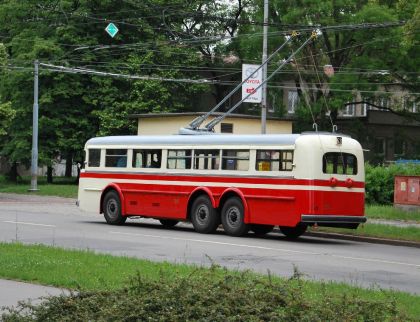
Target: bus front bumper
{"type": "Point", "coordinates": [333, 221]}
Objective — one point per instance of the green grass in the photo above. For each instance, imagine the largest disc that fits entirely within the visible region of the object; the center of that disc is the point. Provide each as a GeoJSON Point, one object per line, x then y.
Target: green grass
{"type": "Point", "coordinates": [391, 213]}
{"type": "Point", "coordinates": [76, 269]}
{"type": "Point", "coordinates": [379, 231]}
{"type": "Point", "coordinates": [62, 187]}
{"type": "Point", "coordinates": [58, 190]}
{"type": "Point", "coordinates": [87, 271]}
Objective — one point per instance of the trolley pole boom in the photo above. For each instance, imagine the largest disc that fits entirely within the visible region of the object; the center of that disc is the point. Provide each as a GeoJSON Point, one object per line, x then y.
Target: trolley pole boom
{"type": "Point", "coordinates": [210, 126]}
{"type": "Point", "coordinates": [195, 124]}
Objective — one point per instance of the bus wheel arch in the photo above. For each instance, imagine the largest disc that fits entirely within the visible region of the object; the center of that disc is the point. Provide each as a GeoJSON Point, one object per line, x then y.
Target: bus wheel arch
{"type": "Point", "coordinates": [197, 192]}
{"type": "Point", "coordinates": [116, 188]}
{"type": "Point", "coordinates": [234, 192]}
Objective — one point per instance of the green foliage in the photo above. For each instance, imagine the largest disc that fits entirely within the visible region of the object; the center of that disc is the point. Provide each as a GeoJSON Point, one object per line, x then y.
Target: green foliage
{"type": "Point", "coordinates": [205, 295]}
{"type": "Point", "coordinates": [380, 181]}
{"type": "Point", "coordinates": [354, 53]}
{"type": "Point", "coordinates": [7, 115]}
{"type": "Point", "coordinates": [73, 108]}
{"type": "Point", "coordinates": [175, 40]}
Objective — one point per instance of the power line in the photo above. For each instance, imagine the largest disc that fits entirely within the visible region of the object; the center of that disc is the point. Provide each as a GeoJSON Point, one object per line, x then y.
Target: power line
{"type": "Point", "coordinates": [220, 37]}
{"type": "Point", "coordinates": [75, 70]}
{"type": "Point", "coordinates": [117, 75]}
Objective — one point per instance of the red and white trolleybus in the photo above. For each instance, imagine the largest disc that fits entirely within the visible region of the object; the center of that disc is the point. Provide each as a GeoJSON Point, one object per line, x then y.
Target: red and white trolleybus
{"type": "Point", "coordinates": [244, 182]}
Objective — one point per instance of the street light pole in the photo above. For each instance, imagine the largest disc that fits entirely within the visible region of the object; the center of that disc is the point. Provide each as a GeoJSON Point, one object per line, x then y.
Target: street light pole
{"type": "Point", "coordinates": [264, 71]}
{"type": "Point", "coordinates": [34, 160]}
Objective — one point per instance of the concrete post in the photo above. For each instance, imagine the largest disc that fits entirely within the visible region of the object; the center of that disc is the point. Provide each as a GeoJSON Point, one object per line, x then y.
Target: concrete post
{"type": "Point", "coordinates": [34, 160]}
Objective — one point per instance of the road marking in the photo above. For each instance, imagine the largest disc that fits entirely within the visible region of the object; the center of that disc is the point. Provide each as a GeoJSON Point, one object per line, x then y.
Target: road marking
{"type": "Point", "coordinates": [375, 260]}
{"type": "Point", "coordinates": [215, 242]}
{"type": "Point", "coordinates": [267, 248]}
{"type": "Point", "coordinates": [27, 223]}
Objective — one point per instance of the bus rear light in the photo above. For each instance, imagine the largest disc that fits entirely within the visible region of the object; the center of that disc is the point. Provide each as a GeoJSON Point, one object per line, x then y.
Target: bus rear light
{"type": "Point", "coordinates": [333, 182]}
{"type": "Point", "coordinates": [349, 183]}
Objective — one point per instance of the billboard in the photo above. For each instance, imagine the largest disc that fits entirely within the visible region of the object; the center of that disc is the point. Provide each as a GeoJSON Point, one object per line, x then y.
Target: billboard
{"type": "Point", "coordinates": [252, 83]}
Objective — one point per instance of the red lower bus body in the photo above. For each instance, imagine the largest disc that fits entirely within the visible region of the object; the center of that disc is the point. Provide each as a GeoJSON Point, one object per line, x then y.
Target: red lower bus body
{"type": "Point", "coordinates": [268, 201]}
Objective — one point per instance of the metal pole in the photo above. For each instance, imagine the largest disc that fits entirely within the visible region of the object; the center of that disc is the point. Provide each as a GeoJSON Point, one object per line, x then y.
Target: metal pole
{"type": "Point", "coordinates": [34, 160]}
{"type": "Point", "coordinates": [264, 71]}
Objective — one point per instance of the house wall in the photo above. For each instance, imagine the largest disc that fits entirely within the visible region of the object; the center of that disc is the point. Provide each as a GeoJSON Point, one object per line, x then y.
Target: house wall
{"type": "Point", "coordinates": [385, 136]}
{"type": "Point", "coordinates": [171, 125]}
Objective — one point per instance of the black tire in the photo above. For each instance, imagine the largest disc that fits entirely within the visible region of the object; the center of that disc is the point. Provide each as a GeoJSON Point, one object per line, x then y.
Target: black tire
{"type": "Point", "coordinates": [233, 217]}
{"type": "Point", "coordinates": [111, 206]}
{"type": "Point", "coordinates": [293, 232]}
{"type": "Point", "coordinates": [168, 223]}
{"type": "Point", "coordinates": [261, 230]}
{"type": "Point", "coordinates": [204, 217]}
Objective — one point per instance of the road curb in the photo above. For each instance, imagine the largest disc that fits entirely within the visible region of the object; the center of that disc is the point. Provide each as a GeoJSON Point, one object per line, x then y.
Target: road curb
{"type": "Point", "coordinates": [366, 239]}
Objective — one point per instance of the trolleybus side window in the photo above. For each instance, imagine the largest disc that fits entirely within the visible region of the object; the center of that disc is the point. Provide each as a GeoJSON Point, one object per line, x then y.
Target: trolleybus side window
{"type": "Point", "coordinates": [274, 160]}
{"type": "Point", "coordinates": [116, 158]}
{"type": "Point", "coordinates": [206, 159]}
{"type": "Point", "coordinates": [235, 160]}
{"type": "Point", "coordinates": [339, 163]}
{"type": "Point", "coordinates": [94, 157]}
{"type": "Point", "coordinates": [147, 158]}
{"type": "Point", "coordinates": [179, 159]}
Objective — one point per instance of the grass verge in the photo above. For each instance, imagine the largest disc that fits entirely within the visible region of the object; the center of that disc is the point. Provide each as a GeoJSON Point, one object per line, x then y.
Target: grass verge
{"type": "Point", "coordinates": [391, 213]}
{"type": "Point", "coordinates": [379, 231]}
{"type": "Point", "coordinates": [117, 288]}
{"type": "Point", "coordinates": [62, 187]}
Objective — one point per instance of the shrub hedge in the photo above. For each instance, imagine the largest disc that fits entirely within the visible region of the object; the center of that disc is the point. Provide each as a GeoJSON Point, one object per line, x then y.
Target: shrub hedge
{"type": "Point", "coordinates": [380, 181]}
{"type": "Point", "coordinates": [209, 296]}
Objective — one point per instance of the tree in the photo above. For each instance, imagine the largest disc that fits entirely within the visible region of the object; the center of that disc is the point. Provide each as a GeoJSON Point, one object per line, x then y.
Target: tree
{"type": "Point", "coordinates": [76, 107]}
{"type": "Point", "coordinates": [358, 55]}
{"type": "Point", "coordinates": [6, 112]}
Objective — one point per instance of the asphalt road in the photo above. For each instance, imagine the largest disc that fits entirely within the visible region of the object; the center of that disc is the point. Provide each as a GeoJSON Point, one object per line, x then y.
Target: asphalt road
{"type": "Point", "coordinates": [57, 221]}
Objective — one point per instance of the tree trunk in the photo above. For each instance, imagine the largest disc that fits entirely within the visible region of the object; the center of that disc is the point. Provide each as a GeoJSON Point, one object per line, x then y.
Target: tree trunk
{"type": "Point", "coordinates": [13, 174]}
{"type": "Point", "coordinates": [78, 172]}
{"type": "Point", "coordinates": [69, 164]}
{"type": "Point", "coordinates": [49, 174]}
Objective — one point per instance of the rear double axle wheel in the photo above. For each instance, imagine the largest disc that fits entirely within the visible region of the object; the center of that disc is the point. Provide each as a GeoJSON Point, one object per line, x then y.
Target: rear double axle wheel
{"type": "Point", "coordinates": [204, 217]}
{"type": "Point", "coordinates": [233, 216]}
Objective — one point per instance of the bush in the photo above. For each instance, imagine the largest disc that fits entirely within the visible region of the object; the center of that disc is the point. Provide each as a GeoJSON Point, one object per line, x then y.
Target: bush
{"type": "Point", "coordinates": [207, 295]}
{"type": "Point", "coordinates": [380, 181]}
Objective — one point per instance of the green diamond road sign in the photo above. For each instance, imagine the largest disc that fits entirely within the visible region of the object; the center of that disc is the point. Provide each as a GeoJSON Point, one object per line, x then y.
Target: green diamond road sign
{"type": "Point", "coordinates": [111, 29]}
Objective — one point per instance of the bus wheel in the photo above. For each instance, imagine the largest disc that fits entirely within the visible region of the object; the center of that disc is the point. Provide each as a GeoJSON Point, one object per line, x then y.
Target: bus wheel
{"type": "Point", "coordinates": [293, 232]}
{"type": "Point", "coordinates": [168, 223]}
{"type": "Point", "coordinates": [204, 217]}
{"type": "Point", "coordinates": [112, 209]}
{"type": "Point", "coordinates": [233, 217]}
{"type": "Point", "coordinates": [261, 230]}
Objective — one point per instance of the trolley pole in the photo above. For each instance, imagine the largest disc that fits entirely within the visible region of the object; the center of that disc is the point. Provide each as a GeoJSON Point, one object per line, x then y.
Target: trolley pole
{"type": "Point", "coordinates": [34, 160]}
{"type": "Point", "coordinates": [264, 71]}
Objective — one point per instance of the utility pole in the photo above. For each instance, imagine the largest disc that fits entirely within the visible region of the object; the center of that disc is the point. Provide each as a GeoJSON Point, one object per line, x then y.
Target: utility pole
{"type": "Point", "coordinates": [34, 160]}
{"type": "Point", "coordinates": [264, 71]}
